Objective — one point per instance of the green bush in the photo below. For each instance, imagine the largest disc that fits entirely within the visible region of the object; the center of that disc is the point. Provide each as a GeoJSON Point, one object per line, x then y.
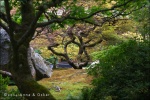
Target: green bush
{"type": "Point", "coordinates": [122, 74]}
{"type": "Point", "coordinates": [71, 97]}
{"type": "Point", "coordinates": [8, 95]}
{"type": "Point", "coordinates": [3, 85]}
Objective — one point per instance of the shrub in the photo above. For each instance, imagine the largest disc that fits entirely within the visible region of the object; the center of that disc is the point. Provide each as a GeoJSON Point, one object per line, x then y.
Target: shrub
{"type": "Point", "coordinates": [3, 85]}
{"type": "Point", "coordinates": [8, 95]}
{"type": "Point", "coordinates": [122, 74]}
{"type": "Point", "coordinates": [71, 97]}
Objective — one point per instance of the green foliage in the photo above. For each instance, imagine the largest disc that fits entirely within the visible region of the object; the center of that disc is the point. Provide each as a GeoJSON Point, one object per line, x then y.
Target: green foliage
{"type": "Point", "coordinates": [70, 97]}
{"type": "Point", "coordinates": [93, 9]}
{"type": "Point", "coordinates": [8, 95]}
{"type": "Point", "coordinates": [2, 6]}
{"type": "Point", "coordinates": [37, 51]}
{"type": "Point", "coordinates": [56, 26]}
{"type": "Point", "coordinates": [123, 72]}
{"type": "Point", "coordinates": [85, 93]}
{"type": "Point", "coordinates": [78, 11]}
{"type": "Point", "coordinates": [17, 18]}
{"type": "Point", "coordinates": [3, 83]}
{"type": "Point", "coordinates": [52, 59]}
{"type": "Point", "coordinates": [143, 19]}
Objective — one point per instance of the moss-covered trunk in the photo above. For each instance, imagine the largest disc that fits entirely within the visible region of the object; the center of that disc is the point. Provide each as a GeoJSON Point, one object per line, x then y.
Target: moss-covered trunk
{"type": "Point", "coordinates": [21, 72]}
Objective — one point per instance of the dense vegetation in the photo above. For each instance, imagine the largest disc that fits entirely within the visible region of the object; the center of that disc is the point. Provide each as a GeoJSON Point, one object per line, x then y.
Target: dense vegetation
{"type": "Point", "coordinates": [122, 74]}
{"type": "Point", "coordinates": [6, 94]}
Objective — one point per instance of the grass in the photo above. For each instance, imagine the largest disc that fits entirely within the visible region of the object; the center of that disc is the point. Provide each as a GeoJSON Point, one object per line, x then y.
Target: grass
{"type": "Point", "coordinates": [69, 80]}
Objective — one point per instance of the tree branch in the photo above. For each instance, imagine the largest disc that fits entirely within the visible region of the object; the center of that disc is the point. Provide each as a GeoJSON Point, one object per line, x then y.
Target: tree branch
{"type": "Point", "coordinates": [89, 22]}
{"type": "Point", "coordinates": [10, 24]}
{"type": "Point", "coordinates": [76, 43]}
{"type": "Point", "coordinates": [67, 43]}
{"type": "Point", "coordinates": [3, 17]}
{"type": "Point", "coordinates": [31, 28]}
{"type": "Point", "coordinates": [89, 40]}
{"type": "Point", "coordinates": [86, 62]}
{"type": "Point", "coordinates": [57, 53]}
{"type": "Point", "coordinates": [48, 4]}
{"type": "Point", "coordinates": [57, 20]}
{"type": "Point", "coordinates": [103, 10]}
{"type": "Point", "coordinates": [4, 27]}
{"type": "Point", "coordinates": [93, 44]}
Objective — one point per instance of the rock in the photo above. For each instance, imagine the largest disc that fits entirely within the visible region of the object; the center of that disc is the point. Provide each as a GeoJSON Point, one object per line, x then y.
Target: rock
{"type": "Point", "coordinates": [57, 89]}
{"type": "Point", "coordinates": [31, 64]}
{"type": "Point", "coordinates": [4, 48]}
{"type": "Point", "coordinates": [42, 70]}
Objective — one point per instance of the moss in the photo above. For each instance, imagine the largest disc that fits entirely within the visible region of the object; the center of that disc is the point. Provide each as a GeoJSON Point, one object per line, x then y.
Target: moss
{"type": "Point", "coordinates": [32, 90]}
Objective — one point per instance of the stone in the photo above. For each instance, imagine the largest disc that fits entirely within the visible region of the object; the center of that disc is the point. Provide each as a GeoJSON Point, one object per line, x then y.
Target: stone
{"type": "Point", "coordinates": [4, 47]}
{"type": "Point", "coordinates": [41, 68]}
{"type": "Point", "coordinates": [31, 64]}
{"type": "Point", "coordinates": [57, 89]}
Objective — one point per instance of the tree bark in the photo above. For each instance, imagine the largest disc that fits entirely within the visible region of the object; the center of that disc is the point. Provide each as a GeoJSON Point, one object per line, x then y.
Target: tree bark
{"type": "Point", "coordinates": [21, 73]}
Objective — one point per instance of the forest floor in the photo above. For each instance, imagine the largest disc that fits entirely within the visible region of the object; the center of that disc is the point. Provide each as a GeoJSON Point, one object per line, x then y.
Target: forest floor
{"type": "Point", "coordinates": [70, 81]}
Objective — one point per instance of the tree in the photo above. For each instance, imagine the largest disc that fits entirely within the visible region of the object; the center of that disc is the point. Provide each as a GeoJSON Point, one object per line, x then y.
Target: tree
{"type": "Point", "coordinates": [41, 13]}
{"type": "Point", "coordinates": [78, 35]}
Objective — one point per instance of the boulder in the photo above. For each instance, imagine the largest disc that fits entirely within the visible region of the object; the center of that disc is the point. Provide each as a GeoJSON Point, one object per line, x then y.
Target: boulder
{"type": "Point", "coordinates": [42, 70]}
{"type": "Point", "coordinates": [4, 48]}
{"type": "Point", "coordinates": [38, 67]}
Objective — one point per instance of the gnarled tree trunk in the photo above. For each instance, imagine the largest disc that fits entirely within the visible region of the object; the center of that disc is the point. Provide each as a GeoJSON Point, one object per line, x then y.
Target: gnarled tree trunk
{"type": "Point", "coordinates": [20, 37]}
{"type": "Point", "coordinates": [21, 72]}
